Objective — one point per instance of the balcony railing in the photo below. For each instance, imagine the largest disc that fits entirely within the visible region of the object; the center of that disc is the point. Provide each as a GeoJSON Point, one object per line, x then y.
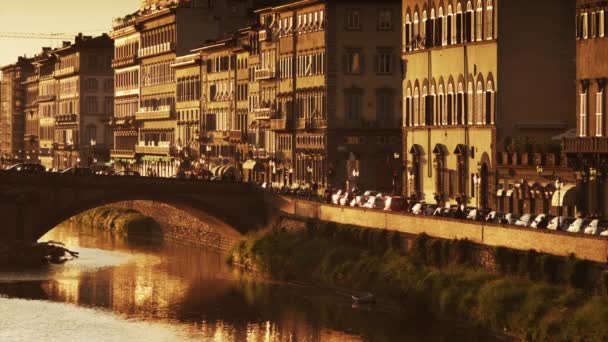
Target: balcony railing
{"type": "Point", "coordinates": [64, 71]}
{"type": "Point", "coordinates": [122, 154]}
{"type": "Point", "coordinates": [151, 113]}
{"type": "Point", "coordinates": [124, 61]}
{"type": "Point", "coordinates": [66, 118]}
{"type": "Point", "coordinates": [45, 98]}
{"type": "Point", "coordinates": [156, 49]}
{"type": "Point", "coordinates": [31, 78]}
{"type": "Point", "coordinates": [586, 145]}
{"type": "Point", "coordinates": [310, 123]}
{"type": "Point", "coordinates": [164, 149]}
{"type": "Point", "coordinates": [265, 74]}
{"type": "Point", "coordinates": [264, 113]}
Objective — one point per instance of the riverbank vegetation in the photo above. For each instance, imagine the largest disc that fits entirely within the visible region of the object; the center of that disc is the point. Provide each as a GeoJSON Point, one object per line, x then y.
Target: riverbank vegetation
{"type": "Point", "coordinates": [525, 296]}
{"type": "Point", "coordinates": [120, 221]}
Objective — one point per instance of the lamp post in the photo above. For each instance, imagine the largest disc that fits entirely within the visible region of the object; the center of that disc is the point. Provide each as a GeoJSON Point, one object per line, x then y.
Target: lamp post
{"type": "Point", "coordinates": [93, 143]}
{"type": "Point", "coordinates": [477, 182]}
{"type": "Point", "coordinates": [558, 186]}
{"type": "Point", "coordinates": [410, 181]}
{"type": "Point", "coordinates": [70, 146]}
{"type": "Point", "coordinates": [356, 174]}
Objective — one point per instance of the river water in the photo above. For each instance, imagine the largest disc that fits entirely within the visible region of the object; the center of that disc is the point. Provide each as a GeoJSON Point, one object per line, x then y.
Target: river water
{"type": "Point", "coordinates": [121, 290]}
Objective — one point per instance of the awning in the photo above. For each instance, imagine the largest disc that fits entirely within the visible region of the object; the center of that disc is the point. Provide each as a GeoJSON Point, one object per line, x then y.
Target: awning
{"type": "Point", "coordinates": [417, 150]}
{"type": "Point", "coordinates": [460, 150]}
{"type": "Point", "coordinates": [565, 197]}
{"type": "Point", "coordinates": [156, 159]}
{"type": "Point", "coordinates": [440, 149]}
{"type": "Point", "coordinates": [499, 193]}
{"type": "Point", "coordinates": [249, 165]}
{"type": "Point", "coordinates": [215, 170]}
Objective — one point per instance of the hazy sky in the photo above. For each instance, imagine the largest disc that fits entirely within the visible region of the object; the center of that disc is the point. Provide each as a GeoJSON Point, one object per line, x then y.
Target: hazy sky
{"type": "Point", "coordinates": [91, 17]}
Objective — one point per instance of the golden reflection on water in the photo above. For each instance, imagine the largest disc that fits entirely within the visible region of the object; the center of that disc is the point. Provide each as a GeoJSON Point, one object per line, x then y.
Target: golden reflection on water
{"type": "Point", "coordinates": [190, 289]}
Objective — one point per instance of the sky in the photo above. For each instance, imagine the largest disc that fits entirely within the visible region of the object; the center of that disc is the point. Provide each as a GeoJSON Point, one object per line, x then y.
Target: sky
{"type": "Point", "coordinates": [68, 17]}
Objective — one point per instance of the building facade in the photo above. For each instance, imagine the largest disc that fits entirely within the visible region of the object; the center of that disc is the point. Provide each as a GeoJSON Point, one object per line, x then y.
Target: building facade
{"type": "Point", "coordinates": [588, 149]}
{"type": "Point", "coordinates": [147, 45]}
{"type": "Point", "coordinates": [472, 72]}
{"type": "Point", "coordinates": [85, 87]}
{"type": "Point", "coordinates": [12, 110]}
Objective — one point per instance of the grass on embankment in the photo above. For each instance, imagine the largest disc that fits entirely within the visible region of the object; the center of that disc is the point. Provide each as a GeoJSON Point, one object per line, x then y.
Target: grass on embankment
{"type": "Point", "coordinates": [121, 221]}
{"type": "Point", "coordinates": [535, 310]}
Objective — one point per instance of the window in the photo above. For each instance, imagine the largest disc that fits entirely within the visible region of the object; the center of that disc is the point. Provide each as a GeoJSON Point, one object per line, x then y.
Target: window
{"type": "Point", "coordinates": [450, 106]}
{"type": "Point", "coordinates": [442, 32]}
{"type": "Point", "coordinates": [441, 115]}
{"type": "Point", "coordinates": [385, 20]}
{"type": "Point", "coordinates": [408, 108]}
{"type": "Point", "coordinates": [90, 133]}
{"type": "Point", "coordinates": [385, 62]}
{"type": "Point", "coordinates": [489, 26]}
{"type": "Point", "coordinates": [416, 106]}
{"type": "Point", "coordinates": [469, 104]}
{"type": "Point", "coordinates": [353, 62]}
{"type": "Point", "coordinates": [601, 24]}
{"type": "Point", "coordinates": [460, 105]}
{"type": "Point", "coordinates": [451, 27]}
{"type": "Point", "coordinates": [353, 19]}
{"type": "Point", "coordinates": [459, 25]}
{"type": "Point", "coordinates": [353, 104]}
{"type": "Point", "coordinates": [480, 113]}
{"type": "Point", "coordinates": [407, 33]}
{"type": "Point", "coordinates": [599, 113]}
{"type": "Point", "coordinates": [479, 21]}
{"type": "Point", "coordinates": [384, 108]}
{"type": "Point", "coordinates": [91, 105]}
{"type": "Point", "coordinates": [583, 113]}
{"type": "Point", "coordinates": [585, 24]}
{"type": "Point", "coordinates": [469, 28]}
{"type": "Point", "coordinates": [489, 120]}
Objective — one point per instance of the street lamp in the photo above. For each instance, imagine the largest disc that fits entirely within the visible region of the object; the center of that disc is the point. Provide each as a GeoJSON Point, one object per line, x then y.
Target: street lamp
{"type": "Point", "coordinates": [356, 174]}
{"type": "Point", "coordinates": [477, 182]}
{"type": "Point", "coordinates": [558, 186]}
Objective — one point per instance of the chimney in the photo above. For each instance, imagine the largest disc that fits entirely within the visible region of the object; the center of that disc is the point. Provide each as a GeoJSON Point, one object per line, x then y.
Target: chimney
{"type": "Point", "coordinates": [79, 38]}
{"type": "Point", "coordinates": [66, 44]}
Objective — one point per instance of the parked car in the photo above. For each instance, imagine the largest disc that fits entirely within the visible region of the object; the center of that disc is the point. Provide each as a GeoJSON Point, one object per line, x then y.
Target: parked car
{"type": "Point", "coordinates": [495, 217]}
{"type": "Point", "coordinates": [335, 198]}
{"type": "Point", "coordinates": [128, 173]}
{"type": "Point", "coordinates": [577, 226]}
{"type": "Point", "coordinates": [596, 227]}
{"type": "Point", "coordinates": [417, 209]}
{"type": "Point", "coordinates": [27, 168]}
{"type": "Point", "coordinates": [395, 203]}
{"type": "Point", "coordinates": [541, 221]}
{"type": "Point", "coordinates": [510, 218]}
{"type": "Point", "coordinates": [78, 171]}
{"type": "Point", "coordinates": [375, 202]}
{"type": "Point", "coordinates": [524, 221]}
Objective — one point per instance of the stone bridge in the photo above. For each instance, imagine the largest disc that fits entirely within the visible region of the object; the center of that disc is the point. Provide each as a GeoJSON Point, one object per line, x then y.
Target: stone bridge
{"type": "Point", "coordinates": [32, 205]}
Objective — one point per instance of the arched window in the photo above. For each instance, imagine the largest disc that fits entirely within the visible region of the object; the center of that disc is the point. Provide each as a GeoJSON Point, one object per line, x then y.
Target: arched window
{"type": "Point", "coordinates": [479, 21]}
{"type": "Point", "coordinates": [450, 112]}
{"type": "Point", "coordinates": [451, 27]}
{"type": "Point", "coordinates": [460, 105]}
{"type": "Point", "coordinates": [433, 106]}
{"type": "Point", "coordinates": [459, 24]}
{"type": "Point", "coordinates": [489, 30]}
{"type": "Point", "coordinates": [490, 104]}
{"type": "Point", "coordinates": [599, 111]}
{"type": "Point", "coordinates": [440, 31]}
{"type": "Point", "coordinates": [441, 116]}
{"type": "Point", "coordinates": [431, 32]}
{"type": "Point", "coordinates": [424, 105]}
{"type": "Point", "coordinates": [469, 28]}
{"type": "Point", "coordinates": [90, 133]}
{"type": "Point", "coordinates": [416, 31]}
{"type": "Point", "coordinates": [470, 104]}
{"type": "Point", "coordinates": [408, 115]}
{"type": "Point", "coordinates": [424, 27]}
{"type": "Point", "coordinates": [416, 105]}
{"type": "Point", "coordinates": [479, 104]}
{"type": "Point", "coordinates": [407, 33]}
{"type": "Point", "coordinates": [583, 98]}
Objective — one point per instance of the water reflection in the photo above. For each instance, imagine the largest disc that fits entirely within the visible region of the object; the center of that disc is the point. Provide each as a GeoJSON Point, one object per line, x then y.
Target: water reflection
{"type": "Point", "coordinates": [188, 293]}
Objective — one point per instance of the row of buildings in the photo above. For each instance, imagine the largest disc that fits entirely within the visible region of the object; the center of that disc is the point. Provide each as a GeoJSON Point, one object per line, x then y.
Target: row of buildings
{"type": "Point", "coordinates": [473, 102]}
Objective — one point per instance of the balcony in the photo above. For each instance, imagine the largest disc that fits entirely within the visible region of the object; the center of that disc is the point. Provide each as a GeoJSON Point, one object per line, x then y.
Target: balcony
{"type": "Point", "coordinates": [311, 123]}
{"type": "Point", "coordinates": [156, 49]}
{"type": "Point", "coordinates": [32, 78]}
{"type": "Point", "coordinates": [586, 145]}
{"type": "Point", "coordinates": [264, 113]}
{"type": "Point", "coordinates": [64, 71]}
{"type": "Point", "coordinates": [279, 124]}
{"type": "Point", "coordinates": [66, 118]}
{"type": "Point", "coordinates": [161, 149]}
{"type": "Point", "coordinates": [126, 154]}
{"type": "Point", "coordinates": [124, 61]}
{"type": "Point", "coordinates": [265, 74]}
{"type": "Point", "coordinates": [46, 98]}
{"type": "Point", "coordinates": [154, 113]}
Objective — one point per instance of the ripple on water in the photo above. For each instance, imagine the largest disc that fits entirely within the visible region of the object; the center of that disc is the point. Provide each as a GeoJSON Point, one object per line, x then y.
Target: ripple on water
{"type": "Point", "coordinates": [25, 321]}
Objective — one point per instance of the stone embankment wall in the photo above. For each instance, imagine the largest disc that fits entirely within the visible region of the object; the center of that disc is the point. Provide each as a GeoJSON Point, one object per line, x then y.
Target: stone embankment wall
{"type": "Point", "coordinates": [186, 228]}
{"type": "Point", "coordinates": [587, 247]}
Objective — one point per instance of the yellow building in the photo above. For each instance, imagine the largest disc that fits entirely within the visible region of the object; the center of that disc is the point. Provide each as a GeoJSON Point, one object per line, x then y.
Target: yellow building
{"type": "Point", "coordinates": [478, 74]}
